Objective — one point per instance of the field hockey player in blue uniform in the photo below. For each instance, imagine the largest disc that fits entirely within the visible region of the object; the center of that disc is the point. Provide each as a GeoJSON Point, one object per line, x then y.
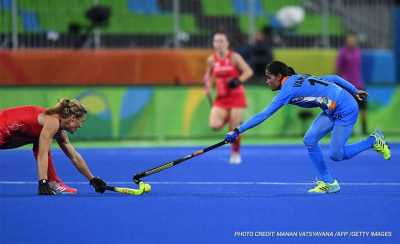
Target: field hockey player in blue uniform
{"type": "Point", "coordinates": [337, 99]}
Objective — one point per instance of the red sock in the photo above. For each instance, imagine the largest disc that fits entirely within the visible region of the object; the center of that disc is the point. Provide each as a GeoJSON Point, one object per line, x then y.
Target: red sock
{"type": "Point", "coordinates": [236, 146]}
{"type": "Point", "coordinates": [51, 171]}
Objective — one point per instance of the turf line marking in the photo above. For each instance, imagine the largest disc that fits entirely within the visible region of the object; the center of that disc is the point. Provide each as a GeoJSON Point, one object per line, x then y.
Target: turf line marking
{"type": "Point", "coordinates": [212, 183]}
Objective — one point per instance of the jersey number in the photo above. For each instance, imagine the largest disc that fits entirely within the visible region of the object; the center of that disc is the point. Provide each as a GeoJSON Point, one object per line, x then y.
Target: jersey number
{"type": "Point", "coordinates": [315, 81]}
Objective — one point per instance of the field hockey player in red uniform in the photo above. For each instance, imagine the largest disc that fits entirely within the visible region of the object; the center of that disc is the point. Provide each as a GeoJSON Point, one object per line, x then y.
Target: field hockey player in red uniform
{"type": "Point", "coordinates": [227, 71]}
{"type": "Point", "coordinates": [39, 126]}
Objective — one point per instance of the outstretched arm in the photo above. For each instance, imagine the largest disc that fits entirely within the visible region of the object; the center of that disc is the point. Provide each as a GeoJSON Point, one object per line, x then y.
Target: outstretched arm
{"type": "Point", "coordinates": [257, 119]}
{"type": "Point", "coordinates": [73, 155]}
{"type": "Point", "coordinates": [69, 150]}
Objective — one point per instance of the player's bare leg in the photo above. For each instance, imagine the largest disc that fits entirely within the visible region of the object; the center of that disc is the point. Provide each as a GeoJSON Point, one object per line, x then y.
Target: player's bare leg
{"type": "Point", "coordinates": [218, 117]}
{"type": "Point", "coordinates": [235, 118]}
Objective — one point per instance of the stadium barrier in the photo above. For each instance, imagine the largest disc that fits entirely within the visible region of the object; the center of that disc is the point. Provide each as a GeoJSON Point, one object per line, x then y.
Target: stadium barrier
{"type": "Point", "coordinates": [102, 67]}
{"type": "Point", "coordinates": [160, 66]}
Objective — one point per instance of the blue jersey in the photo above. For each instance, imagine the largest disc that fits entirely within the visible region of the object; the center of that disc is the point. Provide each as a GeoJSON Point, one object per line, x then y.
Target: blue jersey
{"type": "Point", "coordinates": [331, 93]}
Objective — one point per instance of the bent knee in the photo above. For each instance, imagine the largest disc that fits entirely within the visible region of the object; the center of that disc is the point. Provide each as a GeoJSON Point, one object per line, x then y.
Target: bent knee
{"type": "Point", "coordinates": [216, 126]}
{"type": "Point", "coordinates": [309, 141]}
{"type": "Point", "coordinates": [336, 155]}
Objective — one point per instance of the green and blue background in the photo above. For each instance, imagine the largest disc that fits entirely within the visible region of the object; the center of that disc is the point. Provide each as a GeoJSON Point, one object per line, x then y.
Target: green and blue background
{"type": "Point", "coordinates": [205, 200]}
{"type": "Point", "coordinates": [171, 112]}
{"type": "Point", "coordinates": [159, 112]}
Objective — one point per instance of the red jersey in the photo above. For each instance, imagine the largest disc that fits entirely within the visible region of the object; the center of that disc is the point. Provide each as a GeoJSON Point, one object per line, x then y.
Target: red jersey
{"type": "Point", "coordinates": [20, 122]}
{"type": "Point", "coordinates": [223, 71]}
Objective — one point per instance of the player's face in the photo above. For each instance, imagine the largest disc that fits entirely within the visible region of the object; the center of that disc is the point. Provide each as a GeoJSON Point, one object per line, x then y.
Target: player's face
{"type": "Point", "coordinates": [72, 123]}
{"type": "Point", "coordinates": [273, 81]}
{"type": "Point", "coordinates": [351, 41]}
{"type": "Point", "coordinates": [220, 42]}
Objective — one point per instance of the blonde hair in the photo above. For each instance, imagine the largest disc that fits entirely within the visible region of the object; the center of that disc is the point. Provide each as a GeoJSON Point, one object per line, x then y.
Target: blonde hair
{"type": "Point", "coordinates": [68, 107]}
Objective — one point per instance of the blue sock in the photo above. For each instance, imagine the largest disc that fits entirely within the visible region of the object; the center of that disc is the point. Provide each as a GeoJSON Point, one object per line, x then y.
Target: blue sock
{"type": "Point", "coordinates": [316, 156]}
{"type": "Point", "coordinates": [356, 148]}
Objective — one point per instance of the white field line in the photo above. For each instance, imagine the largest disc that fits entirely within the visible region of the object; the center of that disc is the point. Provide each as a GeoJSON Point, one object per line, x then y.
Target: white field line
{"type": "Point", "coordinates": [268, 183]}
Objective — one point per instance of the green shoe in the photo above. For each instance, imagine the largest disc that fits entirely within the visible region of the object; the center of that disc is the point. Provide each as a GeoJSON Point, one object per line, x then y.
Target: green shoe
{"type": "Point", "coordinates": [380, 144]}
{"type": "Point", "coordinates": [323, 187]}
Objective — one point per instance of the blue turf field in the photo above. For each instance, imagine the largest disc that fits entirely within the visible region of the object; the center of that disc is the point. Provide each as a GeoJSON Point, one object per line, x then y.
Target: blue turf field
{"type": "Point", "coordinates": [204, 200]}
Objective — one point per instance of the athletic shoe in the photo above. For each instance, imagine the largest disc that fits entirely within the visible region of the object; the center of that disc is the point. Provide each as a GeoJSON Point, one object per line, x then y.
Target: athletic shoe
{"type": "Point", "coordinates": [61, 188]}
{"type": "Point", "coordinates": [380, 144]}
{"type": "Point", "coordinates": [323, 187]}
{"type": "Point", "coordinates": [235, 158]}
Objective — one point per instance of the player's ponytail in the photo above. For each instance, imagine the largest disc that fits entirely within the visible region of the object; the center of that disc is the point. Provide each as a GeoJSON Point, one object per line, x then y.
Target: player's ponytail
{"type": "Point", "coordinates": [278, 67]}
{"type": "Point", "coordinates": [67, 107]}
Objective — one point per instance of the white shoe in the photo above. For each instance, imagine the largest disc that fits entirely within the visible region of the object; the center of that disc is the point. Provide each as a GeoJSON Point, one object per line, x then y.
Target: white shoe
{"type": "Point", "coordinates": [235, 158]}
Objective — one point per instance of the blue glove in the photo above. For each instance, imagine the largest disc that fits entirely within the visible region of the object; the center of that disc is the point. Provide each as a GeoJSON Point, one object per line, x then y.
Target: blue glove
{"type": "Point", "coordinates": [232, 136]}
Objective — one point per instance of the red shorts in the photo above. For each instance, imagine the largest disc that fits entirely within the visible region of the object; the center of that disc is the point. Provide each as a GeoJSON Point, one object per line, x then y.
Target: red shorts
{"type": "Point", "coordinates": [237, 100]}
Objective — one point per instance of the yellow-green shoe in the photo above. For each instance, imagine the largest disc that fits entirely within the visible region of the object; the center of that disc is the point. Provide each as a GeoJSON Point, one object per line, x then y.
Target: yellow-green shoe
{"type": "Point", "coordinates": [380, 144]}
{"type": "Point", "coordinates": [323, 187]}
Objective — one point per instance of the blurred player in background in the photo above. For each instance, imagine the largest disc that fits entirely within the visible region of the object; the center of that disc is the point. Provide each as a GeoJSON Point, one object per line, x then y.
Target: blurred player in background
{"type": "Point", "coordinates": [335, 96]}
{"type": "Point", "coordinates": [261, 53]}
{"type": "Point", "coordinates": [348, 66]}
{"type": "Point", "coordinates": [229, 71]}
{"type": "Point", "coordinates": [39, 126]}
